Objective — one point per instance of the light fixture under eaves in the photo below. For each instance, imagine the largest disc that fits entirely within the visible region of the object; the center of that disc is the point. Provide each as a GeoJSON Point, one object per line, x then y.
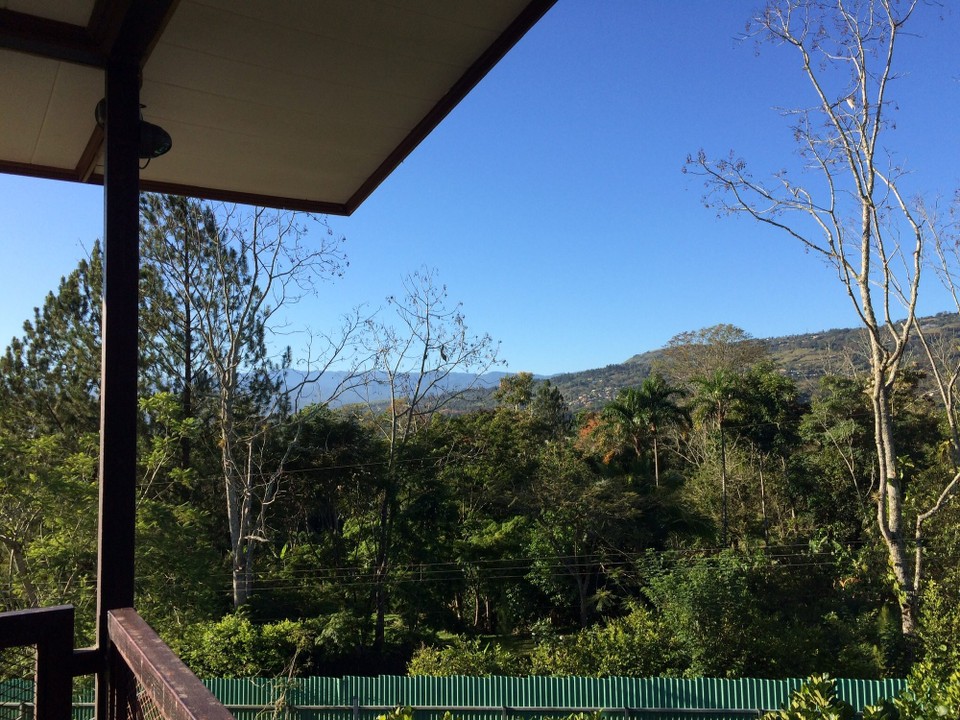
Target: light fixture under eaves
{"type": "Point", "coordinates": [154, 140]}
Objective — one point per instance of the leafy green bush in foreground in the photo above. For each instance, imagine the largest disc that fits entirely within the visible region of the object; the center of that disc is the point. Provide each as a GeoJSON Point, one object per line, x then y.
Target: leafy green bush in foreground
{"type": "Point", "coordinates": [929, 696]}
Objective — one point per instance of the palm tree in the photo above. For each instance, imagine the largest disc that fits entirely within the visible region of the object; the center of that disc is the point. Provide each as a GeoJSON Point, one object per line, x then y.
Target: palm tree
{"type": "Point", "coordinates": [646, 411]}
{"type": "Point", "coordinates": [625, 416]}
{"type": "Point", "coordinates": [659, 410]}
{"type": "Point", "coordinates": [714, 397]}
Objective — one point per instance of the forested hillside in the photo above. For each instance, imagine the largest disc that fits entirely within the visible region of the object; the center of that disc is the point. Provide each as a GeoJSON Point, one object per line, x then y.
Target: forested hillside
{"type": "Point", "coordinates": [805, 358]}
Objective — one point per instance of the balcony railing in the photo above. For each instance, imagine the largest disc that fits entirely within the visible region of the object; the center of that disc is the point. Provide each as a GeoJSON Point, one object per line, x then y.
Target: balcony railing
{"type": "Point", "coordinates": [46, 634]}
{"type": "Point", "coordinates": [152, 682]}
{"type": "Point", "coordinates": [145, 680]}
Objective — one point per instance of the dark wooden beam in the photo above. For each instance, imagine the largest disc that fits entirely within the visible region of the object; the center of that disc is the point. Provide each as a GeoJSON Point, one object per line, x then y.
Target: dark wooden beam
{"type": "Point", "coordinates": [105, 22]}
{"type": "Point", "coordinates": [116, 27]}
{"type": "Point", "coordinates": [28, 627]}
{"type": "Point", "coordinates": [49, 38]}
{"type": "Point", "coordinates": [53, 691]}
{"type": "Point", "coordinates": [122, 28]}
{"type": "Point", "coordinates": [141, 28]}
{"type": "Point", "coordinates": [136, 34]}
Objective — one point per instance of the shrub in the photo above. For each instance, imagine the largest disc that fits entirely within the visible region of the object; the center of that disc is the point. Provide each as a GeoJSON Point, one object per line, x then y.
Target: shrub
{"type": "Point", "coordinates": [817, 699]}
{"type": "Point", "coordinates": [400, 713]}
{"type": "Point", "coordinates": [236, 647]}
{"type": "Point", "coordinates": [743, 615]}
{"type": "Point", "coordinates": [634, 645]}
{"type": "Point", "coordinates": [464, 656]}
{"type": "Point", "coordinates": [933, 692]}
{"type": "Point", "coordinates": [225, 648]}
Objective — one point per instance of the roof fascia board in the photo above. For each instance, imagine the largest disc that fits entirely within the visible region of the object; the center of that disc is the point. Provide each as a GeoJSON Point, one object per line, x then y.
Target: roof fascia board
{"type": "Point", "coordinates": [88, 160]}
{"type": "Point", "coordinates": [242, 198]}
{"type": "Point", "coordinates": [38, 171]}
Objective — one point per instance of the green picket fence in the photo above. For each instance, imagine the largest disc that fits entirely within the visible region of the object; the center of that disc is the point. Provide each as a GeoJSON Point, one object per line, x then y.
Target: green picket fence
{"type": "Point", "coordinates": [514, 698]}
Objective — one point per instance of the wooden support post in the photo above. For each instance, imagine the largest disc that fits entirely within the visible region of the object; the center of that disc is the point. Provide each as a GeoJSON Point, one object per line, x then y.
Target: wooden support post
{"type": "Point", "coordinates": [118, 383]}
{"type": "Point", "coordinates": [53, 692]}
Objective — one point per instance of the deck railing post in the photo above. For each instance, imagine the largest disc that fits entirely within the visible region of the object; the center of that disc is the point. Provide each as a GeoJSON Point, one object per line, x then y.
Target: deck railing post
{"type": "Point", "coordinates": [53, 689]}
{"type": "Point", "coordinates": [120, 687]}
{"type": "Point", "coordinates": [50, 631]}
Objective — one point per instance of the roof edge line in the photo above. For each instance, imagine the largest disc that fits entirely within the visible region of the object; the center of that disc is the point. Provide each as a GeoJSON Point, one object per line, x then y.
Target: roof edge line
{"type": "Point", "coordinates": [243, 198]}
{"type": "Point", "coordinates": [46, 172]}
{"type": "Point", "coordinates": [527, 18]}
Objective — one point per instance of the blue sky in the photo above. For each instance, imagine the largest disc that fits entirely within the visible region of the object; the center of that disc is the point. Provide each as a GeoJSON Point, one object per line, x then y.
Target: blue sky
{"type": "Point", "coordinates": [552, 203]}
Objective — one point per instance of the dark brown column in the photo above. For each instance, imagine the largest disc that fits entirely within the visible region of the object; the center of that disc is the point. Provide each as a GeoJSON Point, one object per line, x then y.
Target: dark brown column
{"type": "Point", "coordinates": [118, 382]}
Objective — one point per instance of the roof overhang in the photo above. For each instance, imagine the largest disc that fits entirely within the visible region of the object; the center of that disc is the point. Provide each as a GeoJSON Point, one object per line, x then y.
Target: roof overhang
{"type": "Point", "coordinates": [304, 104]}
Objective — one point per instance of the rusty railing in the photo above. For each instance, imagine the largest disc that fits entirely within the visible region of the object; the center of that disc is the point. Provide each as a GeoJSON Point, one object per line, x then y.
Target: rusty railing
{"type": "Point", "coordinates": [148, 681]}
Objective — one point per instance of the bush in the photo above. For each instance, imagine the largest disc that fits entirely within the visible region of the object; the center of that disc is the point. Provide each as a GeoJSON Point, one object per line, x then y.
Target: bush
{"type": "Point", "coordinates": [817, 699]}
{"type": "Point", "coordinates": [738, 615]}
{"type": "Point", "coordinates": [235, 647]}
{"type": "Point", "coordinates": [933, 692]}
{"type": "Point", "coordinates": [634, 645]}
{"type": "Point", "coordinates": [400, 713]}
{"type": "Point", "coordinates": [225, 648]}
{"type": "Point", "coordinates": [465, 656]}
{"type": "Point", "coordinates": [940, 623]}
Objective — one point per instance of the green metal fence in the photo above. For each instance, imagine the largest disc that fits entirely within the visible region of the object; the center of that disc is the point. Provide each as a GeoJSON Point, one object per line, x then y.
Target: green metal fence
{"type": "Point", "coordinates": [515, 698]}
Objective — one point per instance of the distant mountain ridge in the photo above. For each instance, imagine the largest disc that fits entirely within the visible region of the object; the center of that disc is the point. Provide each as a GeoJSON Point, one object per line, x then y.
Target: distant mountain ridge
{"type": "Point", "coordinates": [313, 388]}
{"type": "Point", "coordinates": [805, 358]}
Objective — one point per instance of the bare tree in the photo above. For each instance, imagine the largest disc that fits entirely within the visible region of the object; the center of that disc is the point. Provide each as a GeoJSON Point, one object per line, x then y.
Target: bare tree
{"type": "Point", "coordinates": [943, 361]}
{"type": "Point", "coordinates": [848, 207]}
{"type": "Point", "coordinates": [416, 352]}
{"type": "Point", "coordinates": [226, 292]}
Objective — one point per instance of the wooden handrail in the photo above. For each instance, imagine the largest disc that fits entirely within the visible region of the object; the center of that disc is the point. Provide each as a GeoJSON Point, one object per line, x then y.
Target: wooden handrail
{"type": "Point", "coordinates": [170, 685]}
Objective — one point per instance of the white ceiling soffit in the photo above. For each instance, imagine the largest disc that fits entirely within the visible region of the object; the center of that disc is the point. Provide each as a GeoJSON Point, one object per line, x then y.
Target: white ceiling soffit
{"type": "Point", "coordinates": [294, 103]}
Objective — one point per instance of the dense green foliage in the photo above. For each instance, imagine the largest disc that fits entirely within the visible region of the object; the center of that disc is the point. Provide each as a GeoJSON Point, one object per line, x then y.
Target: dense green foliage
{"type": "Point", "coordinates": [711, 520]}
